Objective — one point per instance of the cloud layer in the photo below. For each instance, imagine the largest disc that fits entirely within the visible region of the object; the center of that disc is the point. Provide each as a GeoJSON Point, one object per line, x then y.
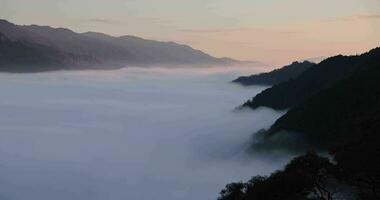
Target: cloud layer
{"type": "Point", "coordinates": [128, 134]}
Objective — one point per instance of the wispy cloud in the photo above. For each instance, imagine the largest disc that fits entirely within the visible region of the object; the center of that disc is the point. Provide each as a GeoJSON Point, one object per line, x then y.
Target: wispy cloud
{"type": "Point", "coordinates": [357, 17]}
{"type": "Point", "coordinates": [368, 16]}
{"type": "Point", "coordinates": [104, 21]}
{"type": "Point", "coordinates": [288, 32]}
{"type": "Point", "coordinates": [238, 30]}
{"type": "Point", "coordinates": [209, 30]}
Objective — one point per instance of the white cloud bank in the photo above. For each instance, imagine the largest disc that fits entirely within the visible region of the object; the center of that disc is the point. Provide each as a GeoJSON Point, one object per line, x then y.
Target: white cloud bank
{"type": "Point", "coordinates": [130, 134]}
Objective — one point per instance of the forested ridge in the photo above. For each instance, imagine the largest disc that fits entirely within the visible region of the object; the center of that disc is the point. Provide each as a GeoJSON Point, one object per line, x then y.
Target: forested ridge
{"type": "Point", "coordinates": [342, 117]}
{"type": "Point", "coordinates": [276, 76]}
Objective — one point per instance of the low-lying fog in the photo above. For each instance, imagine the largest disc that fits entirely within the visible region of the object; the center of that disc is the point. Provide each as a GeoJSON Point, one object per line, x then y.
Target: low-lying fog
{"type": "Point", "coordinates": [136, 134]}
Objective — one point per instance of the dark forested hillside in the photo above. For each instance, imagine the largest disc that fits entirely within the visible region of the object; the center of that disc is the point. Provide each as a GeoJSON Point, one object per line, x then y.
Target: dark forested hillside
{"type": "Point", "coordinates": [313, 177]}
{"type": "Point", "coordinates": [347, 110]}
{"type": "Point", "coordinates": [342, 119]}
{"type": "Point", "coordinates": [316, 78]}
{"type": "Point", "coordinates": [276, 76]}
{"type": "Point", "coordinates": [305, 178]}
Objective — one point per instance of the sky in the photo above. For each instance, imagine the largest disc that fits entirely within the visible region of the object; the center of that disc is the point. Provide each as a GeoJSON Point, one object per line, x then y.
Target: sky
{"type": "Point", "coordinates": [275, 32]}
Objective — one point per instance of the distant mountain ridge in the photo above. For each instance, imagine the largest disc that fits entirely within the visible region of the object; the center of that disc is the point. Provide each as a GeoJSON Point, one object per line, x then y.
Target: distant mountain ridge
{"type": "Point", "coordinates": [276, 76]}
{"type": "Point", "coordinates": [38, 48]}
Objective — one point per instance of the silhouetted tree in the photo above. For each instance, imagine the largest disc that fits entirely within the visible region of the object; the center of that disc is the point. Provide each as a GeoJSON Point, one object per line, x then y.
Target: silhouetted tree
{"type": "Point", "coordinates": [305, 177]}
{"type": "Point", "coordinates": [233, 191]}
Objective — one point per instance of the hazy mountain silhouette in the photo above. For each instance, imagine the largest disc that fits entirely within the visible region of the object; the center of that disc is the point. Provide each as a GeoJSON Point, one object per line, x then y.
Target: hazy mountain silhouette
{"type": "Point", "coordinates": [39, 48]}
{"type": "Point", "coordinates": [276, 76]}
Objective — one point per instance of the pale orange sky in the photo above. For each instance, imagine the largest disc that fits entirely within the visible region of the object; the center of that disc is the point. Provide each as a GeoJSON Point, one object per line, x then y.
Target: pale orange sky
{"type": "Point", "coordinates": [275, 32]}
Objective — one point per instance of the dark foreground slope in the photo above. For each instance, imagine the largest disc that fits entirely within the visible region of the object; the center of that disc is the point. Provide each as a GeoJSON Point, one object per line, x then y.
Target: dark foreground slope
{"type": "Point", "coordinates": [295, 182]}
{"type": "Point", "coordinates": [344, 120]}
{"type": "Point", "coordinates": [276, 76]}
{"type": "Point", "coordinates": [313, 177]}
{"type": "Point", "coordinates": [316, 78]}
{"type": "Point", "coordinates": [40, 47]}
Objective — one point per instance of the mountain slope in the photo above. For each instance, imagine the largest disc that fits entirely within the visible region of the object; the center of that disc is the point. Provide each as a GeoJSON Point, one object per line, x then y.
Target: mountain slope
{"type": "Point", "coordinates": [316, 78]}
{"type": "Point", "coordinates": [276, 76]}
{"type": "Point", "coordinates": [343, 119]}
{"type": "Point", "coordinates": [345, 112]}
{"type": "Point", "coordinates": [72, 50]}
{"type": "Point", "coordinates": [17, 56]}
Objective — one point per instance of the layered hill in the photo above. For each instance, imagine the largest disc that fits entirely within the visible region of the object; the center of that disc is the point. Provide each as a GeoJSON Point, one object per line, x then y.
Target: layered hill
{"type": "Point", "coordinates": [315, 79]}
{"type": "Point", "coordinates": [40, 48]}
{"type": "Point", "coordinates": [276, 76]}
{"type": "Point", "coordinates": [347, 111]}
{"type": "Point", "coordinates": [342, 119]}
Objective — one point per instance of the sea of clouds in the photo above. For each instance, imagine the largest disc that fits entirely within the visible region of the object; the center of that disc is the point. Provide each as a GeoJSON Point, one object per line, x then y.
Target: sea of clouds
{"type": "Point", "coordinates": [164, 134]}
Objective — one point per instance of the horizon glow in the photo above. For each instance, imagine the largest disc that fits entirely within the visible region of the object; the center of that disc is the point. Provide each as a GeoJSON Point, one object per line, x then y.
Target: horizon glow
{"type": "Point", "coordinates": [273, 31]}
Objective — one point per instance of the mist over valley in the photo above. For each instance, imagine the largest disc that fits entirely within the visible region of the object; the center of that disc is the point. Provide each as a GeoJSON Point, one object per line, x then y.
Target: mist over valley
{"type": "Point", "coordinates": [117, 134]}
